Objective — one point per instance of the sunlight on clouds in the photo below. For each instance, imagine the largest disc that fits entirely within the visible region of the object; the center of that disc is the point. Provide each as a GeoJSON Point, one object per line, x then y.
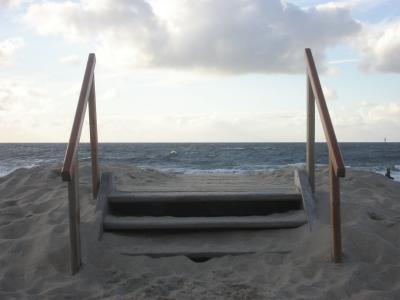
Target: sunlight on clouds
{"type": "Point", "coordinates": [330, 94]}
{"type": "Point", "coordinates": [8, 49]}
{"type": "Point", "coordinates": [156, 57]}
{"type": "Point", "coordinates": [350, 4]}
{"type": "Point", "coordinates": [70, 60]}
{"type": "Point", "coordinates": [380, 47]}
{"type": "Point", "coordinates": [15, 95]}
{"type": "Point", "coordinates": [390, 112]}
{"type": "Point", "coordinates": [30, 111]}
{"type": "Point", "coordinates": [11, 3]}
{"type": "Point", "coordinates": [203, 127]}
{"type": "Point", "coordinates": [262, 36]}
{"type": "Point", "coordinates": [368, 122]}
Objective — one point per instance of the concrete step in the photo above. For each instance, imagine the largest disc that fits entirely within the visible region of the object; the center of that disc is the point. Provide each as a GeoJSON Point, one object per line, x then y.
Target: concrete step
{"type": "Point", "coordinates": [198, 204]}
{"type": "Point", "coordinates": [275, 221]}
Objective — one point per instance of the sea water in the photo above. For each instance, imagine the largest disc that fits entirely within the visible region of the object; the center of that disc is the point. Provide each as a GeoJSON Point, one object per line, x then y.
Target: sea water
{"type": "Point", "coordinates": [206, 157]}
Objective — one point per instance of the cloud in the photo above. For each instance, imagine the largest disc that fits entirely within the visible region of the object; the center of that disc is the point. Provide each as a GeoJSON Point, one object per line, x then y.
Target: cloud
{"type": "Point", "coordinates": [330, 94]}
{"type": "Point", "coordinates": [343, 61]}
{"type": "Point", "coordinates": [388, 112]}
{"type": "Point", "coordinates": [70, 60]}
{"type": "Point", "coordinates": [379, 46]}
{"type": "Point", "coordinates": [260, 36]}
{"type": "Point", "coordinates": [367, 122]}
{"type": "Point", "coordinates": [221, 127]}
{"type": "Point", "coordinates": [9, 4]}
{"type": "Point", "coordinates": [29, 111]}
{"type": "Point", "coordinates": [19, 95]}
{"type": "Point", "coordinates": [368, 114]}
{"type": "Point", "coordinates": [337, 5]}
{"type": "Point", "coordinates": [8, 49]}
{"type": "Point", "coordinates": [350, 4]}
{"type": "Point", "coordinates": [359, 122]}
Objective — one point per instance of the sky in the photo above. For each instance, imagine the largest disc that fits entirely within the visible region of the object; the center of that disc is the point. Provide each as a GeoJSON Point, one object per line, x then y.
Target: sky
{"type": "Point", "coordinates": [199, 70]}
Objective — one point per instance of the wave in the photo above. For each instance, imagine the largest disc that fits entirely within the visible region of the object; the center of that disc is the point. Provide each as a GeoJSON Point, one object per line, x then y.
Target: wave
{"type": "Point", "coordinates": [10, 167]}
{"type": "Point", "coordinates": [233, 148]}
{"type": "Point", "coordinates": [5, 170]}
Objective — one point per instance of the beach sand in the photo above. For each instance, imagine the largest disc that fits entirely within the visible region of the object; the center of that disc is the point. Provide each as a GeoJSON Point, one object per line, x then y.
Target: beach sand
{"type": "Point", "coordinates": [292, 264]}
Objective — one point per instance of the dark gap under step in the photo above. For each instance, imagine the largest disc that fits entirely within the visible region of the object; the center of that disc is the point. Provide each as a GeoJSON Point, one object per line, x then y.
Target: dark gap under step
{"type": "Point", "coordinates": [202, 204]}
{"type": "Point", "coordinates": [200, 257]}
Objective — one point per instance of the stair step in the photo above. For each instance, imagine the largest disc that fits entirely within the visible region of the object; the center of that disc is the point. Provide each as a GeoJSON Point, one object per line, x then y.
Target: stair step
{"type": "Point", "coordinates": [156, 197]}
{"type": "Point", "coordinates": [197, 204]}
{"type": "Point", "coordinates": [275, 221]}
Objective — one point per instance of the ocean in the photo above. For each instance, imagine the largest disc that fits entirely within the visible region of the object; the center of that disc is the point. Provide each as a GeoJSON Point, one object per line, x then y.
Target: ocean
{"type": "Point", "coordinates": [206, 157]}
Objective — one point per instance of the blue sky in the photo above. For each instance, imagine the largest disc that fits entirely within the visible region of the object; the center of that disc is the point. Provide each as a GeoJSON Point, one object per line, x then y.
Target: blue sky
{"type": "Point", "coordinates": [217, 71]}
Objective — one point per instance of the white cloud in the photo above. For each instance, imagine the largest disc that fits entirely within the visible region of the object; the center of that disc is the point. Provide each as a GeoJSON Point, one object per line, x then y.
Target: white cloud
{"type": "Point", "coordinates": [336, 4]}
{"type": "Point", "coordinates": [260, 36]}
{"type": "Point", "coordinates": [220, 127]}
{"type": "Point", "coordinates": [34, 111]}
{"type": "Point", "coordinates": [367, 122]}
{"type": "Point", "coordinates": [19, 95]}
{"type": "Point", "coordinates": [368, 114]}
{"type": "Point", "coordinates": [380, 47]}
{"type": "Point", "coordinates": [343, 61]}
{"type": "Point", "coordinates": [360, 122]}
{"type": "Point", "coordinates": [10, 4]}
{"type": "Point", "coordinates": [351, 4]}
{"type": "Point", "coordinates": [330, 94]}
{"type": "Point", "coordinates": [70, 60]}
{"type": "Point", "coordinates": [8, 49]}
{"type": "Point", "coordinates": [387, 112]}
{"type": "Point", "coordinates": [109, 95]}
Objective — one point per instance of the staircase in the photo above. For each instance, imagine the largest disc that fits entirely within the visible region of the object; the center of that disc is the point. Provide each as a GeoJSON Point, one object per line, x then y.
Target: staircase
{"type": "Point", "coordinates": [209, 202]}
{"type": "Point", "coordinates": [213, 203]}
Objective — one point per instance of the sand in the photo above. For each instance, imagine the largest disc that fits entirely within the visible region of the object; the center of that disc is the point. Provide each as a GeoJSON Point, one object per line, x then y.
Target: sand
{"type": "Point", "coordinates": [291, 264]}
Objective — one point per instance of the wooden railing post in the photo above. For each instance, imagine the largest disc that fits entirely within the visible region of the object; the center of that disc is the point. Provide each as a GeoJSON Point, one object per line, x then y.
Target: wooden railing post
{"type": "Point", "coordinates": [336, 164]}
{"type": "Point", "coordinates": [74, 219]}
{"type": "Point", "coordinates": [334, 195]}
{"type": "Point", "coordinates": [69, 172]}
{"type": "Point", "coordinates": [310, 159]}
{"type": "Point", "coordinates": [94, 139]}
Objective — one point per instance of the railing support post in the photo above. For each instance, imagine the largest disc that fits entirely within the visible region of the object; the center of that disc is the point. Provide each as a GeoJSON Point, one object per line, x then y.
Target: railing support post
{"type": "Point", "coordinates": [93, 139]}
{"type": "Point", "coordinates": [310, 157]}
{"type": "Point", "coordinates": [74, 219]}
{"type": "Point", "coordinates": [70, 168]}
{"type": "Point", "coordinates": [334, 195]}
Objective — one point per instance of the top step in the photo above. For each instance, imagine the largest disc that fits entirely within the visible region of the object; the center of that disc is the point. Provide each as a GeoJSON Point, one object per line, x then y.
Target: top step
{"type": "Point", "coordinates": [206, 183]}
{"type": "Point", "coordinates": [168, 197]}
{"type": "Point", "coordinates": [186, 204]}
{"type": "Point", "coordinates": [210, 195]}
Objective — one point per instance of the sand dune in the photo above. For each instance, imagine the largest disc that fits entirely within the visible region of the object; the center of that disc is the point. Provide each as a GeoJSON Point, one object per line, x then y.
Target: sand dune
{"type": "Point", "coordinates": [294, 264]}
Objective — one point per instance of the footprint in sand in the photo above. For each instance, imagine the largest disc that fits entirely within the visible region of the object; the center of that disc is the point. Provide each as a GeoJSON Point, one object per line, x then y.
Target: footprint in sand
{"type": "Point", "coordinates": [14, 230]}
{"type": "Point", "coordinates": [387, 221]}
{"type": "Point", "coordinates": [375, 216]}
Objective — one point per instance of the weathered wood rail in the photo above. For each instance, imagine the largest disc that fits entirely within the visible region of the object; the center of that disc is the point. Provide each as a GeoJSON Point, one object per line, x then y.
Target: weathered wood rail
{"type": "Point", "coordinates": [336, 165]}
{"type": "Point", "coordinates": [70, 168]}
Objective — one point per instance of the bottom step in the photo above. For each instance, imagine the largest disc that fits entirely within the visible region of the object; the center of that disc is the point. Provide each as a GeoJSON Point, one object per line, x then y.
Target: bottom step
{"type": "Point", "coordinates": [275, 221]}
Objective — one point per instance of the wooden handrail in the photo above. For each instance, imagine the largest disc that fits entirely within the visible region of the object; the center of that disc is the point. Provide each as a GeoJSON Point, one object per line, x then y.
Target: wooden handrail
{"type": "Point", "coordinates": [330, 135]}
{"type": "Point", "coordinates": [70, 168]}
{"type": "Point", "coordinates": [336, 165]}
{"type": "Point", "coordinates": [72, 147]}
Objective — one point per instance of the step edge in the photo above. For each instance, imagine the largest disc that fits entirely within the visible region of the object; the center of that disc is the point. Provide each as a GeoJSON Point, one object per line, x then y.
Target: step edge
{"type": "Point", "coordinates": [125, 223]}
